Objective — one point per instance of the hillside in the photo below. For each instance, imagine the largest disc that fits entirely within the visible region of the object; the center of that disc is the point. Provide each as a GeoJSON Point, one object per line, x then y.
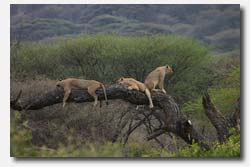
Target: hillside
{"type": "Point", "coordinates": [217, 25]}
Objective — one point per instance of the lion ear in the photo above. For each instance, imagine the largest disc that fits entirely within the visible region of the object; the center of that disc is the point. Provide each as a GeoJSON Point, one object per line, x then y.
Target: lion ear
{"type": "Point", "coordinates": [120, 79]}
{"type": "Point", "coordinates": [167, 66]}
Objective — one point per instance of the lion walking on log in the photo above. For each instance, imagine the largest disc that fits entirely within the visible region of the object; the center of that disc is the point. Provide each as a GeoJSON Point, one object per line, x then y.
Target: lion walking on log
{"type": "Point", "coordinates": [90, 85]}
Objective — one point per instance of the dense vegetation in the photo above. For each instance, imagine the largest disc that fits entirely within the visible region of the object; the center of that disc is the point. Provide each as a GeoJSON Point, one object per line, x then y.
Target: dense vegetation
{"type": "Point", "coordinates": [77, 131]}
{"type": "Point", "coordinates": [21, 146]}
{"type": "Point", "coordinates": [218, 25]}
{"type": "Point", "coordinates": [108, 57]}
{"type": "Point", "coordinates": [106, 42]}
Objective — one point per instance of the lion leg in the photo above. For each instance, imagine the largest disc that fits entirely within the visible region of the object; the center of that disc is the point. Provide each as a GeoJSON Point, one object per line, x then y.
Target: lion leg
{"type": "Point", "coordinates": [161, 86]}
{"type": "Point", "coordinates": [147, 92]}
{"type": "Point", "coordinates": [91, 91]}
{"type": "Point", "coordinates": [133, 87]}
{"type": "Point", "coordinates": [66, 96]}
{"type": "Point", "coordinates": [150, 86]}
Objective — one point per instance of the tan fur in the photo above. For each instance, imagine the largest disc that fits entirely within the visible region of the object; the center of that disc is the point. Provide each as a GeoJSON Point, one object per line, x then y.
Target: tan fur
{"type": "Point", "coordinates": [136, 85]}
{"type": "Point", "coordinates": [157, 77]}
{"type": "Point", "coordinates": [72, 83]}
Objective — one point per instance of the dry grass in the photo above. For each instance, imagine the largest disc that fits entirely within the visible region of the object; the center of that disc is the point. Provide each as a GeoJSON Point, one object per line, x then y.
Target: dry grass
{"type": "Point", "coordinates": [32, 87]}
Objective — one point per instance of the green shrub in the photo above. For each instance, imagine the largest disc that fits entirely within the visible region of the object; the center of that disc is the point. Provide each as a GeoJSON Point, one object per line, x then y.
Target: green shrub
{"type": "Point", "coordinates": [107, 57]}
{"type": "Point", "coordinates": [230, 149]}
{"type": "Point", "coordinates": [20, 139]}
{"type": "Point", "coordinates": [224, 95]}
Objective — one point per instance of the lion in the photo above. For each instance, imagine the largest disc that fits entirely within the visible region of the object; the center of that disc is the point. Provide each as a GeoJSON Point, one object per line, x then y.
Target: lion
{"type": "Point", "coordinates": [73, 83]}
{"type": "Point", "coordinates": [156, 78]}
{"type": "Point", "coordinates": [133, 84]}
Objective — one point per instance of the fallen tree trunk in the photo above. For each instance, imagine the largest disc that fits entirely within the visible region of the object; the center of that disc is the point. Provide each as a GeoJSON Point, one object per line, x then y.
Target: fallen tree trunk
{"type": "Point", "coordinates": [174, 121]}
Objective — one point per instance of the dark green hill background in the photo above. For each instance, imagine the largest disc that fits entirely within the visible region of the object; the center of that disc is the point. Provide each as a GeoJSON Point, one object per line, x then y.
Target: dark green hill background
{"type": "Point", "coordinates": [217, 25]}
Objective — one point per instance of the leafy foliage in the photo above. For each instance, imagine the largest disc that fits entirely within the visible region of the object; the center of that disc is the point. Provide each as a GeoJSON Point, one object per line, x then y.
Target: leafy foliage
{"type": "Point", "coordinates": [20, 139]}
{"type": "Point", "coordinates": [94, 56]}
{"type": "Point", "coordinates": [224, 92]}
{"type": "Point", "coordinates": [229, 149]}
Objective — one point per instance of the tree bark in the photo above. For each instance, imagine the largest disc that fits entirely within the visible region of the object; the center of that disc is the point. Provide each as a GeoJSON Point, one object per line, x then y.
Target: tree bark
{"type": "Point", "coordinates": [221, 124]}
{"type": "Point", "coordinates": [234, 117]}
{"type": "Point", "coordinates": [174, 121]}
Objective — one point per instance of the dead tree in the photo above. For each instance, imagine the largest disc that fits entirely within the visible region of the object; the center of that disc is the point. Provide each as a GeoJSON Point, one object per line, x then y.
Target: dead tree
{"type": "Point", "coordinates": [172, 119]}
{"type": "Point", "coordinates": [221, 123]}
